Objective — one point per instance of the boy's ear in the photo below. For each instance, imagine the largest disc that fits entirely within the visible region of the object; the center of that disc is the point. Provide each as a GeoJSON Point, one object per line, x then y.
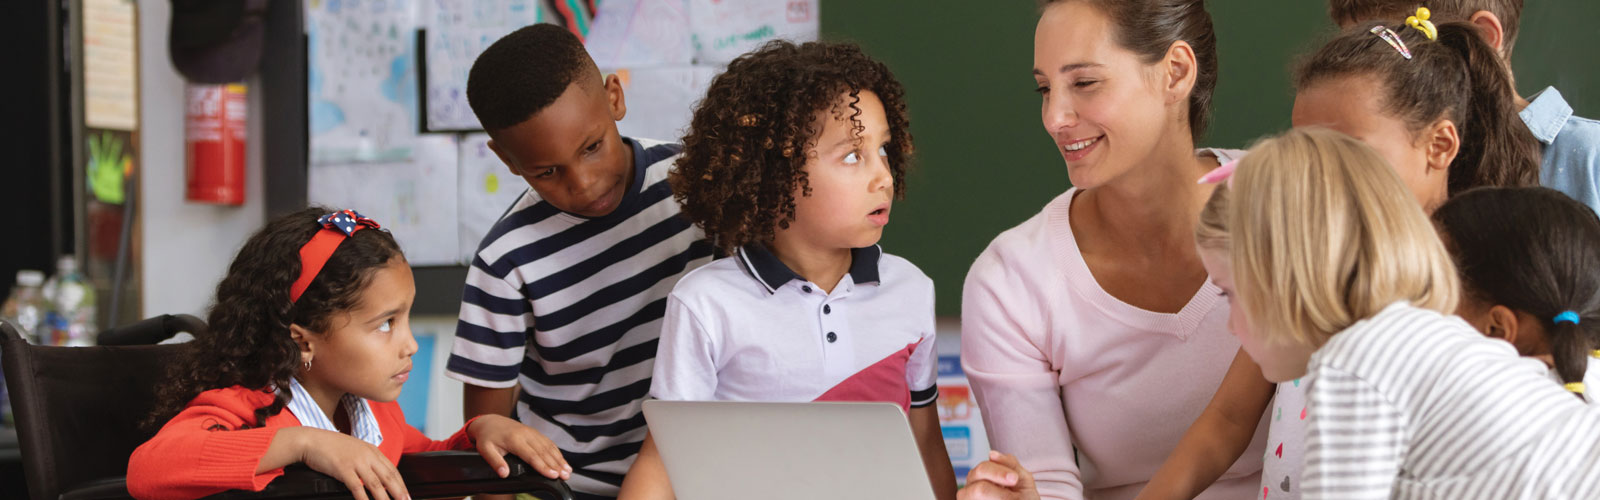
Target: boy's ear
{"type": "Point", "coordinates": [1181, 72]}
{"type": "Point", "coordinates": [1490, 27]}
{"type": "Point", "coordinates": [504, 158]}
{"type": "Point", "coordinates": [1443, 142]}
{"type": "Point", "coordinates": [302, 338]}
{"type": "Point", "coordinates": [614, 98]}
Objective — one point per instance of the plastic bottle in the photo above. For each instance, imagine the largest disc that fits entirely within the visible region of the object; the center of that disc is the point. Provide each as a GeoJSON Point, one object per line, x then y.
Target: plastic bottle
{"type": "Point", "coordinates": [70, 317]}
{"type": "Point", "coordinates": [26, 305]}
{"type": "Point", "coordinates": [25, 308]}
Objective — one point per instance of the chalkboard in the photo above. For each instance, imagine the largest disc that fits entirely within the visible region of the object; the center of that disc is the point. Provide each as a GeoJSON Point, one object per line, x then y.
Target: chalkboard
{"type": "Point", "coordinates": [983, 161]}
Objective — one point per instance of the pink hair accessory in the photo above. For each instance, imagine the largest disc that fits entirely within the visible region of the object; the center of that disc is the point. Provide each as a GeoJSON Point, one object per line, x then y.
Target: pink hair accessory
{"type": "Point", "coordinates": [1219, 174]}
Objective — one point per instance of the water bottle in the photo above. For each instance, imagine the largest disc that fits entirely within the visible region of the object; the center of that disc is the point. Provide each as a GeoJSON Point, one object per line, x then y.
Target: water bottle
{"type": "Point", "coordinates": [26, 305]}
{"type": "Point", "coordinates": [69, 320]}
{"type": "Point", "coordinates": [25, 308]}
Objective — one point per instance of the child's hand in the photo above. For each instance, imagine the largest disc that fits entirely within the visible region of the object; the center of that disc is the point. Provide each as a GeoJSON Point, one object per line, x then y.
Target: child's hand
{"type": "Point", "coordinates": [496, 436]}
{"type": "Point", "coordinates": [1002, 477]}
{"type": "Point", "coordinates": [359, 465]}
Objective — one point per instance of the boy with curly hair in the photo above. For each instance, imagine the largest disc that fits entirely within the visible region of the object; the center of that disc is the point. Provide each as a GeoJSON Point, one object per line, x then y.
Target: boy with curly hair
{"type": "Point", "coordinates": [564, 297]}
{"type": "Point", "coordinates": [790, 165]}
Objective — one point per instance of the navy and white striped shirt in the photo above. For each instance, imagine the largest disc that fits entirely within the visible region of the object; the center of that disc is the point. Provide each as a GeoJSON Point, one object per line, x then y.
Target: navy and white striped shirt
{"type": "Point", "coordinates": [570, 309]}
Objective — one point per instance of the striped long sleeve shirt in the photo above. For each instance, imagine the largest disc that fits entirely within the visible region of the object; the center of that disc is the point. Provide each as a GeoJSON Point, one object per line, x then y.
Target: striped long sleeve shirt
{"type": "Point", "coordinates": [1411, 403]}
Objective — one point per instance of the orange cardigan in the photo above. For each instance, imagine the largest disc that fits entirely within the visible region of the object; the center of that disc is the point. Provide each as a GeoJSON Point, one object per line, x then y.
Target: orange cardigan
{"type": "Point", "coordinates": [201, 451]}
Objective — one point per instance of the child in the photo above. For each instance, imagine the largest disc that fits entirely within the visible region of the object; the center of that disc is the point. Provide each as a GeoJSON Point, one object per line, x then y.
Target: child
{"type": "Point", "coordinates": [1527, 256]}
{"type": "Point", "coordinates": [1571, 144]}
{"type": "Point", "coordinates": [312, 318]}
{"type": "Point", "coordinates": [563, 301]}
{"type": "Point", "coordinates": [1408, 100]}
{"type": "Point", "coordinates": [790, 164]}
{"type": "Point", "coordinates": [1432, 408]}
{"type": "Point", "coordinates": [1441, 94]}
{"type": "Point", "coordinates": [1099, 301]}
{"type": "Point", "coordinates": [1336, 276]}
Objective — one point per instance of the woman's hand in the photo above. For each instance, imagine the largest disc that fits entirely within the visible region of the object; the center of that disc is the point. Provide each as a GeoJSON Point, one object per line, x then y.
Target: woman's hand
{"type": "Point", "coordinates": [999, 478]}
{"type": "Point", "coordinates": [359, 465]}
{"type": "Point", "coordinates": [496, 436]}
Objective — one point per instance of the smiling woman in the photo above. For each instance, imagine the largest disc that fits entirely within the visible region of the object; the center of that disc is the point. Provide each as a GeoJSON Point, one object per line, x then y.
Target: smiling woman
{"type": "Point", "coordinates": [1090, 332]}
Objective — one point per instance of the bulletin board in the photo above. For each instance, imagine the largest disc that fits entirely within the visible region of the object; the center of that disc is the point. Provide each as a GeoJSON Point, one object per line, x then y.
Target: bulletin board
{"type": "Point", "coordinates": [390, 132]}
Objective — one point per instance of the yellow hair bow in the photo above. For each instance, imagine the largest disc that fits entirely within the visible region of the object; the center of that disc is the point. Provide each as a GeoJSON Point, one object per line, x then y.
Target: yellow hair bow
{"type": "Point", "coordinates": [1575, 387]}
{"type": "Point", "coordinates": [1421, 23]}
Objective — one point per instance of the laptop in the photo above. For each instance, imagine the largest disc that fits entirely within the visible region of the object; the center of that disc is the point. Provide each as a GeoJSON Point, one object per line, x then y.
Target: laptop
{"type": "Point", "coordinates": [716, 450]}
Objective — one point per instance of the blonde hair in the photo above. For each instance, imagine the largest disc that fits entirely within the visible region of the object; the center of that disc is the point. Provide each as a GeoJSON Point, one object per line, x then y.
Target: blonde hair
{"type": "Point", "coordinates": [1322, 233]}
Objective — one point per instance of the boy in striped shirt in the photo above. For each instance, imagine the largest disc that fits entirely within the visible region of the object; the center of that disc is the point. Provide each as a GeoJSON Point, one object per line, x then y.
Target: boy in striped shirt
{"type": "Point", "coordinates": [562, 307]}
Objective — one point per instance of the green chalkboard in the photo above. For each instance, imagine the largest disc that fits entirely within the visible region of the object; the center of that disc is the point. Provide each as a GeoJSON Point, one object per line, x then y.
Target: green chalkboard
{"type": "Point", "coordinates": [983, 160]}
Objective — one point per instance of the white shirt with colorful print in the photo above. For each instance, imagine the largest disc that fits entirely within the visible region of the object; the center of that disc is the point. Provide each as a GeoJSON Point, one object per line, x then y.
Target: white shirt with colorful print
{"type": "Point", "coordinates": [1280, 468]}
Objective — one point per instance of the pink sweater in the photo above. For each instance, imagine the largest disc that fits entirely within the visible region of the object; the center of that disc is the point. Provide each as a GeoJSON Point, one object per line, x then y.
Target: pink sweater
{"type": "Point", "coordinates": [1058, 364]}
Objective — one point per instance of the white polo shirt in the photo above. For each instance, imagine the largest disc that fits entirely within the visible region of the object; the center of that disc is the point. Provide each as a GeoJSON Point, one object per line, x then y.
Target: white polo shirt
{"type": "Point", "coordinates": [747, 328]}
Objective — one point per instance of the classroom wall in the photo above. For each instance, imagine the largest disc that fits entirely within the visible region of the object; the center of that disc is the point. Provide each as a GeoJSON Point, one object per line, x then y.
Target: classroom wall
{"type": "Point", "coordinates": [186, 246]}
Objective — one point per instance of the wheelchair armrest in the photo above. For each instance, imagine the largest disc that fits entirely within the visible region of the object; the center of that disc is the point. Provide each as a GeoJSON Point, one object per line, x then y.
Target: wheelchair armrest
{"type": "Point", "coordinates": [436, 474]}
{"type": "Point", "coordinates": [297, 482]}
{"type": "Point", "coordinates": [151, 330]}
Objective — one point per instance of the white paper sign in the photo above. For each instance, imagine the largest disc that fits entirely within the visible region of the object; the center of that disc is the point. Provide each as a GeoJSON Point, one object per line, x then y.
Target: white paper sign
{"type": "Point", "coordinates": [639, 33]}
{"type": "Point", "coordinates": [362, 80]}
{"type": "Point", "coordinates": [486, 188]}
{"type": "Point", "coordinates": [415, 200]}
{"type": "Point", "coordinates": [724, 29]}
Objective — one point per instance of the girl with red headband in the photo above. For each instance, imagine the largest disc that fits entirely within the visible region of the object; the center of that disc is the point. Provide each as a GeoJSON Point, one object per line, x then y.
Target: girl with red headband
{"type": "Point", "coordinates": [313, 318]}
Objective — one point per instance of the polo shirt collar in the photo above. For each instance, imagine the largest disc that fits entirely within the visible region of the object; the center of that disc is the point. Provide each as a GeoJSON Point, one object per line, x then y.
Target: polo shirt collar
{"type": "Point", "coordinates": [765, 267]}
{"type": "Point", "coordinates": [1546, 114]}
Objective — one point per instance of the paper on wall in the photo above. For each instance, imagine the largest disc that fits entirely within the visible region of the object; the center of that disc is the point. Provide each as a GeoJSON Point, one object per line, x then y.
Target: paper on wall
{"type": "Point", "coordinates": [457, 32]}
{"type": "Point", "coordinates": [414, 200]}
{"type": "Point", "coordinates": [639, 33]}
{"type": "Point", "coordinates": [486, 188]}
{"type": "Point", "coordinates": [661, 100]}
{"type": "Point", "coordinates": [110, 52]}
{"type": "Point", "coordinates": [362, 80]}
{"type": "Point", "coordinates": [724, 29]}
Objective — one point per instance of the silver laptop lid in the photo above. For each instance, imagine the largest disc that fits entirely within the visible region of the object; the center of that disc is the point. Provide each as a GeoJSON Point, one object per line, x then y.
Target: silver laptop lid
{"type": "Point", "coordinates": [716, 450]}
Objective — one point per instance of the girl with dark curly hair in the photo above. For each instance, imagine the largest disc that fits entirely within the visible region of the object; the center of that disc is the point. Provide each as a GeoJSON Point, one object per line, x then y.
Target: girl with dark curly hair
{"type": "Point", "coordinates": [790, 165]}
{"type": "Point", "coordinates": [312, 317]}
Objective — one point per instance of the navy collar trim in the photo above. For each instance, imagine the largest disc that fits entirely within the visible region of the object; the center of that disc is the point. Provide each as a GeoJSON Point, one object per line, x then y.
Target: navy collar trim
{"type": "Point", "coordinates": [765, 267]}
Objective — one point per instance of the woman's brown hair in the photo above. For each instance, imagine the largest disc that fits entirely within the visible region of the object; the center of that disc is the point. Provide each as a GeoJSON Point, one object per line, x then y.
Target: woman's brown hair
{"type": "Point", "coordinates": [1150, 27]}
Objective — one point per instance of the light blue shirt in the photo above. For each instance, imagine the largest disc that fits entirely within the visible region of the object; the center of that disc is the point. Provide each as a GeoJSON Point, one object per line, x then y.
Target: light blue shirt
{"type": "Point", "coordinates": [1571, 161]}
{"type": "Point", "coordinates": [363, 425]}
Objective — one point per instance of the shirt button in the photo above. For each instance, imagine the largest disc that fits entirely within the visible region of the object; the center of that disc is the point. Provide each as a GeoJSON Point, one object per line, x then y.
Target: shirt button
{"type": "Point", "coordinates": [806, 289]}
{"type": "Point", "coordinates": [832, 337]}
{"type": "Point", "coordinates": [826, 309]}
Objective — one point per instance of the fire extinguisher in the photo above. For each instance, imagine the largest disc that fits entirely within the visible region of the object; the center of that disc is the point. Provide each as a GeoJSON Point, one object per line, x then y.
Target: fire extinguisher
{"type": "Point", "coordinates": [214, 137]}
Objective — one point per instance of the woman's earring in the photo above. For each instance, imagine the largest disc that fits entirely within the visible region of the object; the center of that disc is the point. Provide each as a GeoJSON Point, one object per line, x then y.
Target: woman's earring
{"type": "Point", "coordinates": [308, 364]}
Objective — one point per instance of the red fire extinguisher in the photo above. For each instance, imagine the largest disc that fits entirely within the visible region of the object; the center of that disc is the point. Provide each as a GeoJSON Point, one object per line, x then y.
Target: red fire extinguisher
{"type": "Point", "coordinates": [214, 136]}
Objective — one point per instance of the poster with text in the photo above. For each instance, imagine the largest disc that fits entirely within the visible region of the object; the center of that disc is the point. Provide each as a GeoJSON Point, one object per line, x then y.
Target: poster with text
{"type": "Point", "coordinates": [724, 29]}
